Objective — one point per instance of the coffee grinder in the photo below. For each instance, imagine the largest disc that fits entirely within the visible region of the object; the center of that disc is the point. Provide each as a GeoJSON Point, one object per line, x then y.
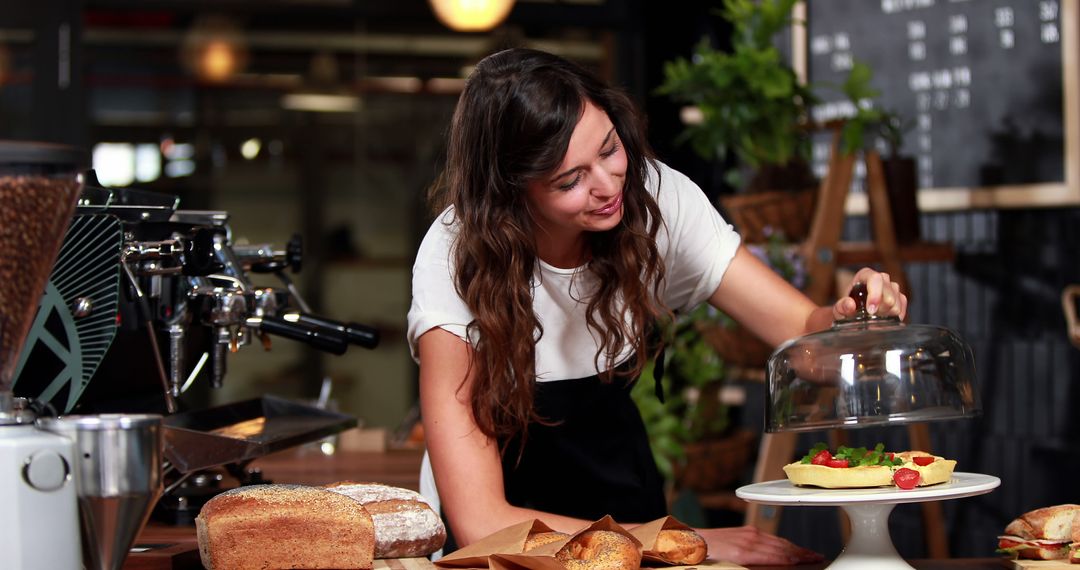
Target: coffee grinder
{"type": "Point", "coordinates": [39, 524]}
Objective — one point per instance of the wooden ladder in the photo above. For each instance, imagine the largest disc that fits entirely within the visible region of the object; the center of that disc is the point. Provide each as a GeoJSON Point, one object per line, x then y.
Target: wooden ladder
{"type": "Point", "coordinates": [824, 254]}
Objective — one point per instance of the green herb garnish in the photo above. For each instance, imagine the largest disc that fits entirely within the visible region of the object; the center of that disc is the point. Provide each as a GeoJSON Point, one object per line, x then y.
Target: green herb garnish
{"type": "Point", "coordinates": [856, 456]}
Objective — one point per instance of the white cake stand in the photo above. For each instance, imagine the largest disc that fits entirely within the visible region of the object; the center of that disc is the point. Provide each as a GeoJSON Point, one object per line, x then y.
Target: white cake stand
{"type": "Point", "coordinates": [870, 545]}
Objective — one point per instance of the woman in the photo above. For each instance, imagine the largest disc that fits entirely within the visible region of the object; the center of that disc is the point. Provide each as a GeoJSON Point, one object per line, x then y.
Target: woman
{"type": "Point", "coordinates": [560, 243]}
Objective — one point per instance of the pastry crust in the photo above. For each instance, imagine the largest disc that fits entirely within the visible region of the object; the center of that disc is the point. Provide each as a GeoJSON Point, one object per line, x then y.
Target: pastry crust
{"type": "Point", "coordinates": [838, 478]}
{"type": "Point", "coordinates": [807, 474]}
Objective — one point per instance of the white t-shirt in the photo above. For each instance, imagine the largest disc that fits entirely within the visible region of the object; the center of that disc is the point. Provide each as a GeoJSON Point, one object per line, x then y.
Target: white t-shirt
{"type": "Point", "coordinates": [695, 243]}
{"type": "Point", "coordinates": [696, 246]}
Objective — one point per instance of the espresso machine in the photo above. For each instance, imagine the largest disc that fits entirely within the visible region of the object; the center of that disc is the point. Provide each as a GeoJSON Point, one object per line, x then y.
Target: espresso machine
{"type": "Point", "coordinates": [151, 299]}
{"type": "Point", "coordinates": [114, 303]}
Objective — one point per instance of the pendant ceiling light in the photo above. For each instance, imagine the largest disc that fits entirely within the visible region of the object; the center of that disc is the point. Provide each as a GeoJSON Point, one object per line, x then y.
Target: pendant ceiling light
{"type": "Point", "coordinates": [471, 15]}
{"type": "Point", "coordinates": [214, 49]}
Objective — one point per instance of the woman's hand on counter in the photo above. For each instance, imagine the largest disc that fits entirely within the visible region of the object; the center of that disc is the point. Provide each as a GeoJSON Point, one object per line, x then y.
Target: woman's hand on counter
{"type": "Point", "coordinates": [748, 545]}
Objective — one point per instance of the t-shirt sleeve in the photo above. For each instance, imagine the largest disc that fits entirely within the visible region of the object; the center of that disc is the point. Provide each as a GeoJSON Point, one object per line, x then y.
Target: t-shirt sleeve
{"type": "Point", "coordinates": [435, 301]}
{"type": "Point", "coordinates": [696, 242]}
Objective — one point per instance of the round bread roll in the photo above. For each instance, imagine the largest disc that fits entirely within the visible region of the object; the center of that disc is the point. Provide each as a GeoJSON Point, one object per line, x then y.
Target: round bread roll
{"type": "Point", "coordinates": [600, 550]}
{"type": "Point", "coordinates": [538, 539]}
{"type": "Point", "coordinates": [681, 546]}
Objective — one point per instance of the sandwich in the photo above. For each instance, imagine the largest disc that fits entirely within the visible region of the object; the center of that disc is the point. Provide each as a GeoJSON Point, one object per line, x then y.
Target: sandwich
{"type": "Point", "coordinates": [1049, 533]}
{"type": "Point", "coordinates": [1074, 548]}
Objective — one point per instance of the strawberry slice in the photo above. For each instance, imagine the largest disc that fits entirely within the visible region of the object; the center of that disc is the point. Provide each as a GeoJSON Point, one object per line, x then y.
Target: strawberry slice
{"type": "Point", "coordinates": [923, 461]}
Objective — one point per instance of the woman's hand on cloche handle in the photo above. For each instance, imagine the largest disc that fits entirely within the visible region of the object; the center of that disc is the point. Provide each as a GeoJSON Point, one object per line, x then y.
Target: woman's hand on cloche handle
{"type": "Point", "coordinates": [748, 545]}
{"type": "Point", "coordinates": [883, 297]}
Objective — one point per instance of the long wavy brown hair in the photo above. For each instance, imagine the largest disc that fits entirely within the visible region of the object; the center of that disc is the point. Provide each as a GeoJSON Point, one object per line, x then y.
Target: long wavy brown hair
{"type": "Point", "coordinates": [512, 125]}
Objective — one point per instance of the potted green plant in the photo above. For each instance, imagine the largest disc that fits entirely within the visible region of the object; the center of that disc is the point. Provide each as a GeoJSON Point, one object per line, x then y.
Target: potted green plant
{"type": "Point", "coordinates": [869, 124]}
{"type": "Point", "coordinates": [694, 442]}
{"type": "Point", "coordinates": [901, 180]}
{"type": "Point", "coordinates": [751, 113]}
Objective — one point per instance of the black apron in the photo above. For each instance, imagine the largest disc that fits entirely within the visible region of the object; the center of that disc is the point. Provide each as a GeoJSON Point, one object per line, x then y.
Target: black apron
{"type": "Point", "coordinates": [594, 461]}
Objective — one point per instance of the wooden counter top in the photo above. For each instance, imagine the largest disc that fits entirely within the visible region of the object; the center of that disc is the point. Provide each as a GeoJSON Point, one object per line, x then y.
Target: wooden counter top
{"type": "Point", "coordinates": [309, 466]}
{"type": "Point", "coordinates": [921, 564]}
{"type": "Point", "coordinates": [175, 548]}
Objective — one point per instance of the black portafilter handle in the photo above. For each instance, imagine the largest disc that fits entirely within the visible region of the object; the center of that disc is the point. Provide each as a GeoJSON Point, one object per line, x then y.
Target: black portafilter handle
{"type": "Point", "coordinates": [355, 333]}
{"type": "Point", "coordinates": [327, 339]}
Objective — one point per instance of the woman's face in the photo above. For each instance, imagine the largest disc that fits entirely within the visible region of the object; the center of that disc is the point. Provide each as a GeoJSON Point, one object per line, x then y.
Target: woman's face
{"type": "Point", "coordinates": [585, 192]}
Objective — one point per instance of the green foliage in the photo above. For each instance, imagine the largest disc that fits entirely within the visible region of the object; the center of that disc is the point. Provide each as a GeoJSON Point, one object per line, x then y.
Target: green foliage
{"type": "Point", "coordinates": [666, 431]}
{"type": "Point", "coordinates": [858, 90]}
{"type": "Point", "coordinates": [750, 99]}
{"type": "Point", "coordinates": [752, 106]}
{"type": "Point", "coordinates": [855, 456]}
{"type": "Point", "coordinates": [692, 368]}
{"type": "Point", "coordinates": [869, 119]}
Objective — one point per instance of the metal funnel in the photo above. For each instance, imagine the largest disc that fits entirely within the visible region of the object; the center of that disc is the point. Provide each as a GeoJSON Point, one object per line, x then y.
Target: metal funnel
{"type": "Point", "coordinates": [117, 479]}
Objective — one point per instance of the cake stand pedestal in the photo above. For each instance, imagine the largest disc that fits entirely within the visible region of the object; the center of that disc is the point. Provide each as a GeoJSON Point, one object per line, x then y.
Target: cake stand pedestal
{"type": "Point", "coordinates": [870, 546]}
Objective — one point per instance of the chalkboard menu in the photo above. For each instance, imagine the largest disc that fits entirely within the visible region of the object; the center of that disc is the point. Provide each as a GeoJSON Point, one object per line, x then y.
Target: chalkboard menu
{"type": "Point", "coordinates": [987, 87]}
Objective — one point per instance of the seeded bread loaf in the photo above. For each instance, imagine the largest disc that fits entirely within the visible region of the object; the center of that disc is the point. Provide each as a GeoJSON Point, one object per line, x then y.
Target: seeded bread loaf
{"type": "Point", "coordinates": [259, 527]}
{"type": "Point", "coordinates": [405, 525]}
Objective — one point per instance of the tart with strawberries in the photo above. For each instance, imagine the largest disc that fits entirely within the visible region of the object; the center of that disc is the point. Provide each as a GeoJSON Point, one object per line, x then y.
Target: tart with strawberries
{"type": "Point", "coordinates": [855, 467]}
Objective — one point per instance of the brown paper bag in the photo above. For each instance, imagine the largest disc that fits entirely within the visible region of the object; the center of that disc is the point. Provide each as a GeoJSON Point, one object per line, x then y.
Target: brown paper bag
{"type": "Point", "coordinates": [510, 540]}
{"type": "Point", "coordinates": [502, 550]}
{"type": "Point", "coordinates": [647, 533]}
{"type": "Point", "coordinates": [528, 561]}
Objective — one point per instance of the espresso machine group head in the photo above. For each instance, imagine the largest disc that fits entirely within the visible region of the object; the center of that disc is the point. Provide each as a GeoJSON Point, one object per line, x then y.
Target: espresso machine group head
{"type": "Point", "coordinates": [149, 278]}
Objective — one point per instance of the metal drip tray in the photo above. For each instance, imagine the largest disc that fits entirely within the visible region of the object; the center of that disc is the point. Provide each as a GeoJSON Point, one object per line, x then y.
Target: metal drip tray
{"type": "Point", "coordinates": [245, 430]}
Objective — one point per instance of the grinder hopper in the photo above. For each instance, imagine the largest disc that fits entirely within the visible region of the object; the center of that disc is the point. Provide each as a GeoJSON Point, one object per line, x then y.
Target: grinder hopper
{"type": "Point", "coordinates": [39, 187]}
{"type": "Point", "coordinates": [115, 461]}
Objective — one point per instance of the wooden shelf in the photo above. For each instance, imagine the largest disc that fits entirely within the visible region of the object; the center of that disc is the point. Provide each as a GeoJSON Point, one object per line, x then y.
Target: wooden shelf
{"type": "Point", "coordinates": [859, 253]}
{"type": "Point", "coordinates": [722, 500]}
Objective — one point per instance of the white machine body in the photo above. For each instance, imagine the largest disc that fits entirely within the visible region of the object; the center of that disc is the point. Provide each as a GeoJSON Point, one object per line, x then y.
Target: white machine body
{"type": "Point", "coordinates": [39, 518]}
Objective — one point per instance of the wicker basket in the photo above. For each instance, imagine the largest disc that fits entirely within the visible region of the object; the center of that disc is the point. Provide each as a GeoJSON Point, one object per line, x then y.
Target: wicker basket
{"type": "Point", "coordinates": [715, 464]}
{"type": "Point", "coordinates": [736, 345]}
{"type": "Point", "coordinates": [787, 211]}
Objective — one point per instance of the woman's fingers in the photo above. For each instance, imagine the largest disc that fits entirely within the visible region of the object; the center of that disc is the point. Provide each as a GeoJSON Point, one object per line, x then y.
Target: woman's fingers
{"type": "Point", "coordinates": [749, 545]}
{"type": "Point", "coordinates": [883, 296]}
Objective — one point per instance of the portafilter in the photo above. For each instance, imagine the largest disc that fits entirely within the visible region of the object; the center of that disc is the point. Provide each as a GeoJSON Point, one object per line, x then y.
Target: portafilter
{"type": "Point", "coordinates": [870, 370]}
